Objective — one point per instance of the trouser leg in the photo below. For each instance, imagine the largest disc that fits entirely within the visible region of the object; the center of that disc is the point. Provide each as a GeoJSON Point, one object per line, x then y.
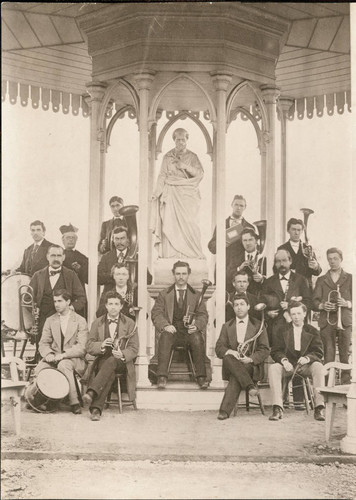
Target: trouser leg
{"type": "Point", "coordinates": [103, 381]}
{"type": "Point", "coordinates": [328, 337]}
{"type": "Point", "coordinates": [239, 378]}
{"type": "Point", "coordinates": [66, 367]}
{"type": "Point", "coordinates": [344, 340]}
{"type": "Point", "coordinates": [316, 372]}
{"type": "Point", "coordinates": [275, 376]}
{"type": "Point", "coordinates": [197, 346]}
{"type": "Point", "coordinates": [165, 344]}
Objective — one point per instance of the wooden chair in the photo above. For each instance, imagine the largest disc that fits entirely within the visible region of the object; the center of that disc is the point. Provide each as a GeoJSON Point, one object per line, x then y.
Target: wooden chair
{"type": "Point", "coordinates": [248, 403]}
{"type": "Point", "coordinates": [190, 365]}
{"type": "Point", "coordinates": [12, 388]}
{"type": "Point", "coordinates": [121, 402]}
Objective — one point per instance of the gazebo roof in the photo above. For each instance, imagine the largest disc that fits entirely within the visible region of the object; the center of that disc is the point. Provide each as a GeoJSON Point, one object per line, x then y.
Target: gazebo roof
{"type": "Point", "coordinates": [44, 47]}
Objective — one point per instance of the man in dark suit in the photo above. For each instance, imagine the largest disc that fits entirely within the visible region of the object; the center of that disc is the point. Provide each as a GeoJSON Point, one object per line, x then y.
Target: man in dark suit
{"type": "Point", "coordinates": [241, 371]}
{"type": "Point", "coordinates": [107, 227]}
{"type": "Point", "coordinates": [240, 283]}
{"type": "Point", "coordinates": [300, 263]}
{"type": "Point", "coordinates": [54, 277]}
{"type": "Point", "coordinates": [234, 226]}
{"type": "Point", "coordinates": [298, 348]}
{"type": "Point", "coordinates": [113, 339]}
{"type": "Point", "coordinates": [335, 279]}
{"type": "Point", "coordinates": [278, 290]}
{"type": "Point", "coordinates": [169, 316]}
{"type": "Point", "coordinates": [35, 256]}
{"type": "Point", "coordinates": [73, 259]}
{"type": "Point", "coordinates": [250, 260]}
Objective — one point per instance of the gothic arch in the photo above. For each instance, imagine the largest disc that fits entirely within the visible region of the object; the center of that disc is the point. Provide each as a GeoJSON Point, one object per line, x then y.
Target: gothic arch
{"type": "Point", "coordinates": [254, 122]}
{"type": "Point", "coordinates": [119, 113]}
{"type": "Point", "coordinates": [109, 94]}
{"type": "Point", "coordinates": [257, 93]}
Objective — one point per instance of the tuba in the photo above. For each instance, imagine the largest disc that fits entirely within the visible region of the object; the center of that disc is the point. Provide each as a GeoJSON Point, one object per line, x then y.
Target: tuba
{"type": "Point", "coordinates": [191, 315]}
{"type": "Point", "coordinates": [129, 212]}
{"type": "Point", "coordinates": [244, 346]}
{"type": "Point", "coordinates": [308, 249]}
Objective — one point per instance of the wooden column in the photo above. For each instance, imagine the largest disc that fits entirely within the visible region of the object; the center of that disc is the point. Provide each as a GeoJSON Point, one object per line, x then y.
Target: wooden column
{"type": "Point", "coordinates": [263, 150]}
{"type": "Point", "coordinates": [143, 81]}
{"type": "Point", "coordinates": [348, 443]}
{"type": "Point", "coordinates": [96, 91]}
{"type": "Point", "coordinates": [284, 103]}
{"type": "Point", "coordinates": [221, 82]}
{"type": "Point", "coordinates": [270, 94]}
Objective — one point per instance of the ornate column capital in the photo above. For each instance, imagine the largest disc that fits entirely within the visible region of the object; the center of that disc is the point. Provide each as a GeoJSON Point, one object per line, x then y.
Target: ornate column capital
{"type": "Point", "coordinates": [221, 80]}
{"type": "Point", "coordinates": [270, 93]}
{"type": "Point", "coordinates": [144, 80]}
{"type": "Point", "coordinates": [96, 90]}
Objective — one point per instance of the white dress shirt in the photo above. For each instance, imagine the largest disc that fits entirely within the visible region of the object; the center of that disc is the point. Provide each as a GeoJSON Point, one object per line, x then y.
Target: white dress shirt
{"type": "Point", "coordinates": [295, 246]}
{"type": "Point", "coordinates": [53, 279]}
{"type": "Point", "coordinates": [123, 252]}
{"type": "Point", "coordinates": [113, 327]}
{"type": "Point", "coordinates": [297, 332]}
{"type": "Point", "coordinates": [64, 318]}
{"type": "Point", "coordinates": [251, 255]}
{"type": "Point", "coordinates": [284, 283]}
{"type": "Point", "coordinates": [234, 222]}
{"type": "Point", "coordinates": [177, 292]}
{"type": "Point", "coordinates": [241, 327]}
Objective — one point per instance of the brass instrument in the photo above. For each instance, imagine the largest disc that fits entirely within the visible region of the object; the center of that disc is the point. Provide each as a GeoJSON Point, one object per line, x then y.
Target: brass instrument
{"type": "Point", "coordinates": [308, 249]}
{"type": "Point", "coordinates": [191, 315]}
{"type": "Point", "coordinates": [121, 342]}
{"type": "Point", "coordinates": [257, 264]}
{"type": "Point", "coordinates": [28, 308]}
{"type": "Point", "coordinates": [244, 346]}
{"type": "Point", "coordinates": [129, 212]}
{"type": "Point", "coordinates": [333, 297]}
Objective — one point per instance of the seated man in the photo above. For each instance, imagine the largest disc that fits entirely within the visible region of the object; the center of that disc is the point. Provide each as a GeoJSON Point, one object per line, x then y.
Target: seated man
{"type": "Point", "coordinates": [297, 349]}
{"type": "Point", "coordinates": [63, 341]}
{"type": "Point", "coordinates": [240, 283]}
{"type": "Point", "coordinates": [240, 371]}
{"type": "Point", "coordinates": [123, 287]}
{"type": "Point", "coordinates": [113, 339]}
{"type": "Point", "coordinates": [169, 316]}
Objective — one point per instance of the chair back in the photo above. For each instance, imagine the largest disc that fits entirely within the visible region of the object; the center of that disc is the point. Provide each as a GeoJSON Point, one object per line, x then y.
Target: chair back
{"type": "Point", "coordinates": [330, 369]}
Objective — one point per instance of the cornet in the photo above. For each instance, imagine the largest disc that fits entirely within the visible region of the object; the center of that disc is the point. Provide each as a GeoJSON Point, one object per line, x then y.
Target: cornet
{"type": "Point", "coordinates": [191, 315]}
{"type": "Point", "coordinates": [333, 297]}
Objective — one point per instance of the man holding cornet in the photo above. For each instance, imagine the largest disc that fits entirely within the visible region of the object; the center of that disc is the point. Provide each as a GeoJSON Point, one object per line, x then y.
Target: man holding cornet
{"type": "Point", "coordinates": [180, 317]}
{"type": "Point", "coordinates": [333, 298]}
{"type": "Point", "coordinates": [243, 347]}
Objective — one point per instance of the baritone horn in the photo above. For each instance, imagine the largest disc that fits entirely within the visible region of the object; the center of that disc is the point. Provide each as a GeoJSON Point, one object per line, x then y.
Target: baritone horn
{"type": "Point", "coordinates": [308, 250]}
{"type": "Point", "coordinates": [191, 315]}
{"type": "Point", "coordinates": [29, 312]}
{"type": "Point", "coordinates": [333, 297]}
{"type": "Point", "coordinates": [244, 346]}
{"type": "Point", "coordinates": [129, 212]}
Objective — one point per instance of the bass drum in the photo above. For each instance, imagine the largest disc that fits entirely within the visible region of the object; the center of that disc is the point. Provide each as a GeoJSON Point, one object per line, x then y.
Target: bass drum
{"type": "Point", "coordinates": [50, 385]}
{"type": "Point", "coordinates": [10, 302]}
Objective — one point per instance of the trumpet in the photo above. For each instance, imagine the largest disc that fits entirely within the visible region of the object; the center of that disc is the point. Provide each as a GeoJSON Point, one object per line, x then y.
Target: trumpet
{"type": "Point", "coordinates": [333, 297]}
{"type": "Point", "coordinates": [308, 249]}
{"type": "Point", "coordinates": [29, 312]}
{"type": "Point", "coordinates": [191, 315]}
{"type": "Point", "coordinates": [244, 346]}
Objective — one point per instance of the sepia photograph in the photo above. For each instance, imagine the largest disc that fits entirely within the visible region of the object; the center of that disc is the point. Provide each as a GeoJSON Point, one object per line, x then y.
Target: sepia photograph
{"type": "Point", "coordinates": [178, 244]}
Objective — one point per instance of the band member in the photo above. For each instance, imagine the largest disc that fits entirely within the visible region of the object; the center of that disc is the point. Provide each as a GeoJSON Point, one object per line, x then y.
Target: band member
{"type": "Point", "coordinates": [52, 278]}
{"type": "Point", "coordinates": [63, 341]}
{"type": "Point", "coordinates": [115, 256]}
{"type": "Point", "coordinates": [113, 339]}
{"type": "Point", "coordinates": [73, 259]}
{"type": "Point", "coordinates": [34, 257]}
{"type": "Point", "coordinates": [123, 287]}
{"type": "Point", "coordinates": [249, 260]}
{"type": "Point", "coordinates": [240, 283]}
{"type": "Point", "coordinates": [237, 222]}
{"type": "Point", "coordinates": [169, 316]}
{"type": "Point", "coordinates": [107, 227]}
{"type": "Point", "coordinates": [240, 370]}
{"type": "Point", "coordinates": [301, 264]}
{"type": "Point", "coordinates": [333, 298]}
{"type": "Point", "coordinates": [279, 289]}
{"type": "Point", "coordinates": [298, 350]}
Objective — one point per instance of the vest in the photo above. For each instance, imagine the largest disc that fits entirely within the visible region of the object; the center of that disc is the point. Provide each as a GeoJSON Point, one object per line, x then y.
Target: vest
{"type": "Point", "coordinates": [179, 313]}
{"type": "Point", "coordinates": [47, 306]}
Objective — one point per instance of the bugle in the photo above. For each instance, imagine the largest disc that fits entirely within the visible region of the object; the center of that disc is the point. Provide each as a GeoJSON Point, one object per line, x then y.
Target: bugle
{"type": "Point", "coordinates": [244, 346]}
{"type": "Point", "coordinates": [191, 315]}
{"type": "Point", "coordinates": [333, 297]}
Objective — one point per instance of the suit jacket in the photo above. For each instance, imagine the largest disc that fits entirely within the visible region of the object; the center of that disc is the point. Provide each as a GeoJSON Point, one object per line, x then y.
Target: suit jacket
{"type": "Point", "coordinates": [323, 286]}
{"type": "Point", "coordinates": [300, 262]}
{"type": "Point", "coordinates": [72, 256]}
{"type": "Point", "coordinates": [40, 259]}
{"type": "Point", "coordinates": [272, 293]}
{"type": "Point", "coordinates": [258, 353]}
{"type": "Point", "coordinates": [310, 345]}
{"type": "Point", "coordinates": [162, 311]}
{"type": "Point", "coordinates": [105, 233]}
{"type": "Point", "coordinates": [232, 249]}
{"type": "Point", "coordinates": [104, 269]}
{"type": "Point", "coordinates": [72, 285]}
{"type": "Point", "coordinates": [75, 339]}
{"type": "Point", "coordinates": [129, 342]}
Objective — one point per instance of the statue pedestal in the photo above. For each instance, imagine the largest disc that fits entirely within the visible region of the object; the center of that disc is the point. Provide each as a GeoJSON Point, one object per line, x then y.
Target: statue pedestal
{"type": "Point", "coordinates": [162, 271]}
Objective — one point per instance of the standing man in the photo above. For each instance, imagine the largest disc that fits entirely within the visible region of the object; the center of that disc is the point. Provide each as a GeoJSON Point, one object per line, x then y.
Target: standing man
{"type": "Point", "coordinates": [250, 260]}
{"type": "Point", "coordinates": [241, 371]}
{"type": "Point", "coordinates": [234, 227]}
{"type": "Point", "coordinates": [34, 257]}
{"type": "Point", "coordinates": [298, 348]}
{"type": "Point", "coordinates": [107, 227]}
{"type": "Point", "coordinates": [62, 345]}
{"type": "Point", "coordinates": [279, 289]}
{"type": "Point", "coordinates": [169, 316]}
{"type": "Point", "coordinates": [240, 282]}
{"type": "Point", "coordinates": [329, 321]}
{"type": "Point", "coordinates": [113, 339]}
{"type": "Point", "coordinates": [72, 258]}
{"type": "Point", "coordinates": [301, 264]}
{"type": "Point", "coordinates": [52, 278]}
{"type": "Point", "coordinates": [115, 256]}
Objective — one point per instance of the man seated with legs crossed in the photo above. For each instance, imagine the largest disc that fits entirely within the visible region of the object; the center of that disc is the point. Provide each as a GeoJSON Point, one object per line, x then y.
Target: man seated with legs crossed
{"type": "Point", "coordinates": [113, 339]}
{"type": "Point", "coordinates": [62, 344]}
{"type": "Point", "coordinates": [296, 349]}
{"type": "Point", "coordinates": [241, 370]}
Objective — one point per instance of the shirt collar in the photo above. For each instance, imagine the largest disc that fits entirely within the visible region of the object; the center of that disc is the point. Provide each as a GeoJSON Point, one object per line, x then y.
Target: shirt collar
{"type": "Point", "coordinates": [114, 319]}
{"type": "Point", "coordinates": [285, 276]}
{"type": "Point", "coordinates": [244, 320]}
{"type": "Point", "coordinates": [38, 243]}
{"type": "Point", "coordinates": [253, 254]}
{"type": "Point", "coordinates": [177, 289]}
{"type": "Point", "coordinates": [55, 270]}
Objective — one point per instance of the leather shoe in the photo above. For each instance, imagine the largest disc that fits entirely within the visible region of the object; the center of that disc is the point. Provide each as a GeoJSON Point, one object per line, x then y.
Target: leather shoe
{"type": "Point", "coordinates": [319, 413]}
{"type": "Point", "coordinates": [202, 382]}
{"type": "Point", "coordinates": [162, 382]}
{"type": "Point", "coordinates": [76, 409]}
{"type": "Point", "coordinates": [87, 399]}
{"type": "Point", "coordinates": [277, 413]}
{"type": "Point", "coordinates": [95, 415]}
{"type": "Point", "coordinates": [223, 415]}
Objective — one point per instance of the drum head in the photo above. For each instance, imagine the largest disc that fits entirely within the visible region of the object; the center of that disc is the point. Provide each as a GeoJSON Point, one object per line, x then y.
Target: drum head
{"type": "Point", "coordinates": [10, 303]}
{"type": "Point", "coordinates": [52, 383]}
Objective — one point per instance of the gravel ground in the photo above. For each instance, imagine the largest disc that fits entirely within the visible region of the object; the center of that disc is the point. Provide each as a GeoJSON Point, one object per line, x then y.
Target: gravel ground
{"type": "Point", "coordinates": [62, 479]}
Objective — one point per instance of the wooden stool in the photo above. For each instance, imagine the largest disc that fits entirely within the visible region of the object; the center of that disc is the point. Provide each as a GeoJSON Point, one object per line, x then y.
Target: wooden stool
{"type": "Point", "coordinates": [120, 401]}
{"type": "Point", "coordinates": [248, 403]}
{"type": "Point", "coordinates": [191, 370]}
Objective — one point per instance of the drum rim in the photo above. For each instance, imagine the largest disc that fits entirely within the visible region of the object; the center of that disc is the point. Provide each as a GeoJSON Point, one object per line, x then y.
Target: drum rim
{"type": "Point", "coordinates": [57, 371]}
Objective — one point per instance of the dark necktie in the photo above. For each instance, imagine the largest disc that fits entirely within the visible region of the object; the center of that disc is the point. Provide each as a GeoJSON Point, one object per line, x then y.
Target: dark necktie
{"type": "Point", "coordinates": [283, 278]}
{"type": "Point", "coordinates": [181, 299]}
{"type": "Point", "coordinates": [33, 254]}
{"type": "Point", "coordinates": [53, 273]}
{"type": "Point", "coordinates": [120, 258]}
{"type": "Point", "coordinates": [112, 321]}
